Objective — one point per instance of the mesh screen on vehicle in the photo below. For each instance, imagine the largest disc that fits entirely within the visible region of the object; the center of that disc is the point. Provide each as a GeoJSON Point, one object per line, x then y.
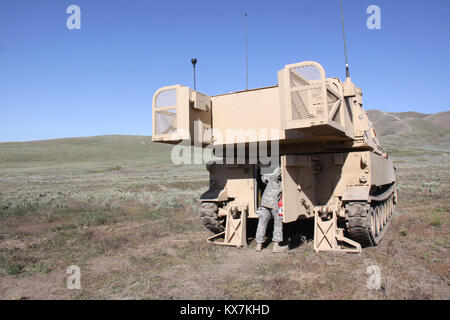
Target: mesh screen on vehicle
{"type": "Point", "coordinates": [306, 92]}
{"type": "Point", "coordinates": [166, 121]}
{"type": "Point", "coordinates": [299, 109]}
{"type": "Point", "coordinates": [166, 98]}
{"type": "Point", "coordinates": [166, 112]}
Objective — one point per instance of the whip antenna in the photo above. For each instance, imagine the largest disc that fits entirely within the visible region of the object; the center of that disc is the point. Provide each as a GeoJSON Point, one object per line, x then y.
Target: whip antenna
{"type": "Point", "coordinates": [194, 61]}
{"type": "Point", "coordinates": [347, 71]}
{"type": "Point", "coordinates": [246, 50]}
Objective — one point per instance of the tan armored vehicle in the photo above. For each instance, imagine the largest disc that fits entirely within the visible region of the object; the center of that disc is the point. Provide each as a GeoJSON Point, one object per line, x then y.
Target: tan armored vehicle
{"type": "Point", "coordinates": [314, 128]}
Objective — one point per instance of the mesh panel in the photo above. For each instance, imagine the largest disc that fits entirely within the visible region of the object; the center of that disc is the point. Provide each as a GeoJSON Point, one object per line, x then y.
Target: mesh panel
{"type": "Point", "coordinates": [306, 92]}
{"type": "Point", "coordinates": [299, 108]}
{"type": "Point", "coordinates": [166, 121]}
{"type": "Point", "coordinates": [166, 98]}
{"type": "Point", "coordinates": [316, 96]}
{"type": "Point", "coordinates": [303, 75]}
{"type": "Point", "coordinates": [317, 101]}
{"type": "Point", "coordinates": [297, 80]}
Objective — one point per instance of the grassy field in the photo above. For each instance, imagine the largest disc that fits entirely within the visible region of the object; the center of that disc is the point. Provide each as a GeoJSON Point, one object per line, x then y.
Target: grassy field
{"type": "Point", "coordinates": [116, 207]}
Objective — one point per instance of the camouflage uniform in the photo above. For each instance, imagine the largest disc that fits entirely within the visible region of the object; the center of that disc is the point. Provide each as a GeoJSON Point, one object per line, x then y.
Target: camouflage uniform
{"type": "Point", "coordinates": [269, 208]}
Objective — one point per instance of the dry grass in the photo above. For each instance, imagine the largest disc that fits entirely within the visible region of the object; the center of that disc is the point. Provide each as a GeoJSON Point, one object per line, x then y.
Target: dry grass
{"type": "Point", "coordinates": [132, 229]}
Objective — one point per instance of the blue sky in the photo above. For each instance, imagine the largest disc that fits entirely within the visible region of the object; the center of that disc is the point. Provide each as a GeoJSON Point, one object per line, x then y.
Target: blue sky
{"type": "Point", "coordinates": [56, 82]}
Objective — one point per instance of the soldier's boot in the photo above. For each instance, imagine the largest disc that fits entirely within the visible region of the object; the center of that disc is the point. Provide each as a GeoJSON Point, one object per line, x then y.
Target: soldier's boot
{"type": "Point", "coordinates": [259, 247]}
{"type": "Point", "coordinates": [277, 248]}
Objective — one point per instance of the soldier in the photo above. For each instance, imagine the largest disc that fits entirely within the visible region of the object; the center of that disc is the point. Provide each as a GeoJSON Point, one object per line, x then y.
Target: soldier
{"type": "Point", "coordinates": [268, 209]}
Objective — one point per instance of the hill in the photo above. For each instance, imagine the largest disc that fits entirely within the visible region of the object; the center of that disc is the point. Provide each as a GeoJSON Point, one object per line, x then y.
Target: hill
{"type": "Point", "coordinates": [413, 129]}
{"type": "Point", "coordinates": [99, 150]}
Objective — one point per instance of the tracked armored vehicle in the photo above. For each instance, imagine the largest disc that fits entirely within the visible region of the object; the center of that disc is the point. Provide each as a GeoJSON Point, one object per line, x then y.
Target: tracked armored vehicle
{"type": "Point", "coordinates": [333, 168]}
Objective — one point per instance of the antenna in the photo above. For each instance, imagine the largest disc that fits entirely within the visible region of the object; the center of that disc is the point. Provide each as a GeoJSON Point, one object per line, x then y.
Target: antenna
{"type": "Point", "coordinates": [246, 50]}
{"type": "Point", "coordinates": [194, 61]}
{"type": "Point", "coordinates": [347, 71]}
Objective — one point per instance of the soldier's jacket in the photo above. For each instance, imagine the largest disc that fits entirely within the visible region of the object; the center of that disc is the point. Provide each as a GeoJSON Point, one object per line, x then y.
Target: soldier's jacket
{"type": "Point", "coordinates": [273, 189]}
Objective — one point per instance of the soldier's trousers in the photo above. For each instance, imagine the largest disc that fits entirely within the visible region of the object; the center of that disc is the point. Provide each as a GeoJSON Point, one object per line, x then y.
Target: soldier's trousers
{"type": "Point", "coordinates": [263, 220]}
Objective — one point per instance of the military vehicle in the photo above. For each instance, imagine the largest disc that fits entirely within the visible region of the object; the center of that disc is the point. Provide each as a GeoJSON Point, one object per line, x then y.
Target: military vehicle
{"type": "Point", "coordinates": [333, 168]}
